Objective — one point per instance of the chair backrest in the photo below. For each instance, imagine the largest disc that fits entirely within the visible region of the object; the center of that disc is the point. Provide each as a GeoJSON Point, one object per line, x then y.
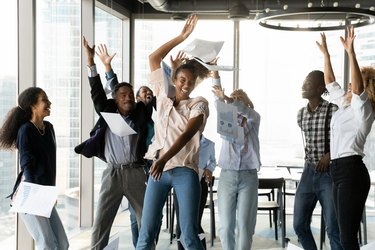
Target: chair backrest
{"type": "Point", "coordinates": [271, 183]}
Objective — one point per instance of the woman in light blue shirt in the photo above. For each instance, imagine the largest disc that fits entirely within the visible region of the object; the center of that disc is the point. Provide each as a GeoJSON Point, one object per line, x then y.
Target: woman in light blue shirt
{"type": "Point", "coordinates": [350, 126]}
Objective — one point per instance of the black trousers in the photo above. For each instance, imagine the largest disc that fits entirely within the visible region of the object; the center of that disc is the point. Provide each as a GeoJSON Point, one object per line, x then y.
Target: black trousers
{"type": "Point", "coordinates": [351, 184]}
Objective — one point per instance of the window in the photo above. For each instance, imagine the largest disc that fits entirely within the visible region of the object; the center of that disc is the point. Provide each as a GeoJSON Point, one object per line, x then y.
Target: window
{"type": "Point", "coordinates": [8, 93]}
{"type": "Point", "coordinates": [58, 45]}
{"type": "Point", "coordinates": [108, 30]}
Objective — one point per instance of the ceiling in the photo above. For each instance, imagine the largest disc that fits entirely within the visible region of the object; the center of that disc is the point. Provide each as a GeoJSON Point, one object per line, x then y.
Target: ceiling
{"type": "Point", "coordinates": [224, 6]}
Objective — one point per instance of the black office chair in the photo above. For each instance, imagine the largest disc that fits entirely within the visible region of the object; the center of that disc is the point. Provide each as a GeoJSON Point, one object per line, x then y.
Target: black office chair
{"type": "Point", "coordinates": [276, 206]}
{"type": "Point", "coordinates": [211, 206]}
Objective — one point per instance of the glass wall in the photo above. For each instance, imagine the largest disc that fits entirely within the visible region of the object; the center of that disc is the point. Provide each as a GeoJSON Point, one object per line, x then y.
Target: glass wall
{"type": "Point", "coordinates": [58, 47]}
{"type": "Point", "coordinates": [273, 67]}
{"type": "Point", "coordinates": [8, 93]}
{"type": "Point", "coordinates": [108, 31]}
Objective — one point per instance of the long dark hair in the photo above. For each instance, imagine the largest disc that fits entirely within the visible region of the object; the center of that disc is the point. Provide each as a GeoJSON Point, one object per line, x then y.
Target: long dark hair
{"type": "Point", "coordinates": [17, 116]}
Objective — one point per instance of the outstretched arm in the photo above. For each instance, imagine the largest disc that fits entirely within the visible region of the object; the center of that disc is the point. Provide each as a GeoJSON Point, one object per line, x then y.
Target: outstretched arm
{"type": "Point", "coordinates": [355, 72]}
{"type": "Point", "coordinates": [157, 56]}
{"type": "Point", "coordinates": [329, 75]}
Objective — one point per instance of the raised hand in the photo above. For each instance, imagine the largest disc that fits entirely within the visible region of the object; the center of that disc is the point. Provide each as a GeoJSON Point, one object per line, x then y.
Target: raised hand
{"type": "Point", "coordinates": [323, 45]}
{"type": "Point", "coordinates": [189, 26]}
{"type": "Point", "coordinates": [175, 63]}
{"type": "Point", "coordinates": [348, 42]}
{"type": "Point", "coordinates": [102, 53]}
{"type": "Point", "coordinates": [90, 51]}
{"type": "Point", "coordinates": [218, 91]}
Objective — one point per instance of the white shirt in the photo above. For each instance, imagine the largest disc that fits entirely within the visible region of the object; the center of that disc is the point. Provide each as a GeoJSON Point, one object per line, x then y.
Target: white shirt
{"type": "Point", "coordinates": [351, 123]}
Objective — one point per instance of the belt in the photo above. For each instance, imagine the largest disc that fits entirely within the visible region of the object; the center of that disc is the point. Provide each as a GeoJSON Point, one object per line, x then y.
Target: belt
{"type": "Point", "coordinates": [130, 165]}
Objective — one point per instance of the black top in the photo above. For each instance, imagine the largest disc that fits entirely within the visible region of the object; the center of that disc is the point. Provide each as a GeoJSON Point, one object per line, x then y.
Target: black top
{"type": "Point", "coordinates": [37, 154]}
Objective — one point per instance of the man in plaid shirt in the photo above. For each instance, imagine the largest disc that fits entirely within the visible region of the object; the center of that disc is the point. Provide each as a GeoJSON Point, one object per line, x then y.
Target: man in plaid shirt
{"type": "Point", "coordinates": [316, 183]}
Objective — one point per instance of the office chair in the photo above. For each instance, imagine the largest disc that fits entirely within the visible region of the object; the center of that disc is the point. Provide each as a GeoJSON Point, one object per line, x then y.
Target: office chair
{"type": "Point", "coordinates": [276, 206]}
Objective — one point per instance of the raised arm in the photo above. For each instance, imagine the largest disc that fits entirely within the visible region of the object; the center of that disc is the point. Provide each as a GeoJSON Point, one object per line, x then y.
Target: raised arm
{"type": "Point", "coordinates": [329, 75]}
{"type": "Point", "coordinates": [103, 55]}
{"type": "Point", "coordinates": [157, 56]}
{"type": "Point", "coordinates": [90, 52]}
{"type": "Point", "coordinates": [355, 72]}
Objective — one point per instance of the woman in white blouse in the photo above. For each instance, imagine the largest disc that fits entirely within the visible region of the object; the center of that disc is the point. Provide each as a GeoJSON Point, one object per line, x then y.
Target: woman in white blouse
{"type": "Point", "coordinates": [350, 127]}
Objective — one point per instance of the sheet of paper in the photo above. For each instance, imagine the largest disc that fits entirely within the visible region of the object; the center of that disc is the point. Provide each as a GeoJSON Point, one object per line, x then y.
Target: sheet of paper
{"type": "Point", "coordinates": [215, 67]}
{"type": "Point", "coordinates": [169, 88]}
{"type": "Point", "coordinates": [34, 199]}
{"type": "Point", "coordinates": [154, 115]}
{"type": "Point", "coordinates": [114, 244]}
{"type": "Point", "coordinates": [203, 49]}
{"type": "Point", "coordinates": [227, 120]}
{"type": "Point", "coordinates": [117, 124]}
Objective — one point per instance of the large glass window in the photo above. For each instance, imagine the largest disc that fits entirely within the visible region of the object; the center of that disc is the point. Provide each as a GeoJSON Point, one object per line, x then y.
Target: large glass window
{"type": "Point", "coordinates": [58, 46]}
{"type": "Point", "coordinates": [273, 65]}
{"type": "Point", "coordinates": [108, 31]}
{"type": "Point", "coordinates": [8, 93]}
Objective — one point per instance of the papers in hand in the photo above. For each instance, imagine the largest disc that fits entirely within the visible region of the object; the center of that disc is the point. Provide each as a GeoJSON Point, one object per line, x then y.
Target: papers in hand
{"type": "Point", "coordinates": [34, 199]}
{"type": "Point", "coordinates": [117, 124]}
{"type": "Point", "coordinates": [227, 123]}
{"type": "Point", "coordinates": [215, 67]}
{"type": "Point", "coordinates": [204, 50]}
{"type": "Point", "coordinates": [169, 88]}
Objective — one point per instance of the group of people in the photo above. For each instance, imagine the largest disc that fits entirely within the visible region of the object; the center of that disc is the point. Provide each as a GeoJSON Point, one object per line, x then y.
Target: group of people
{"type": "Point", "coordinates": [171, 152]}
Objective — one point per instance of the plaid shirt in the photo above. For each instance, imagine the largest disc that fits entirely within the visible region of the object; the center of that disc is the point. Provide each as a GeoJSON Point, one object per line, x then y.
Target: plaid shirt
{"type": "Point", "coordinates": [314, 125]}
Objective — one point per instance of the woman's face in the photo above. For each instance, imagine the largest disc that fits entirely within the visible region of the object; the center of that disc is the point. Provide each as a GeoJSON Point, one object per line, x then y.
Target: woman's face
{"type": "Point", "coordinates": [43, 106]}
{"type": "Point", "coordinates": [185, 84]}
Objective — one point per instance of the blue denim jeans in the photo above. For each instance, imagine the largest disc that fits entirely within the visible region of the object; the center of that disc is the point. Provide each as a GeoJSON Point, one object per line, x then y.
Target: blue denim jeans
{"type": "Point", "coordinates": [48, 233]}
{"type": "Point", "coordinates": [237, 204]}
{"type": "Point", "coordinates": [351, 184]}
{"type": "Point", "coordinates": [185, 183]}
{"type": "Point", "coordinates": [315, 186]}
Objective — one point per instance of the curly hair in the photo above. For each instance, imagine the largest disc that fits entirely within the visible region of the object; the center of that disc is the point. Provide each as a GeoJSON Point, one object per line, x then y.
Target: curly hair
{"type": "Point", "coordinates": [241, 95]}
{"type": "Point", "coordinates": [368, 76]}
{"type": "Point", "coordinates": [199, 71]}
{"type": "Point", "coordinates": [17, 116]}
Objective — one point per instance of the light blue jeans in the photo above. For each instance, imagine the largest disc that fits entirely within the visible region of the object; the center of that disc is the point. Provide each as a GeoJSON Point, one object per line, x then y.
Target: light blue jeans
{"type": "Point", "coordinates": [185, 182]}
{"type": "Point", "coordinates": [315, 186]}
{"type": "Point", "coordinates": [48, 233]}
{"type": "Point", "coordinates": [238, 204]}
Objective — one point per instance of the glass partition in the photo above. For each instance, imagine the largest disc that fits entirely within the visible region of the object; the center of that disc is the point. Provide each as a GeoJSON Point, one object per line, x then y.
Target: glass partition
{"type": "Point", "coordinates": [8, 93]}
{"type": "Point", "coordinates": [58, 48]}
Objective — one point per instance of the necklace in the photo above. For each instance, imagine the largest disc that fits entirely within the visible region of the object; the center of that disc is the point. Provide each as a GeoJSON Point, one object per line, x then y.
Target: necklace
{"type": "Point", "coordinates": [41, 131]}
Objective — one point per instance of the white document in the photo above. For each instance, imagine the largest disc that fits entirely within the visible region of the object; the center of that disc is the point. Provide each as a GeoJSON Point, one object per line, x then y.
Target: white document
{"type": "Point", "coordinates": [114, 244]}
{"type": "Point", "coordinates": [154, 115]}
{"type": "Point", "coordinates": [227, 120]}
{"type": "Point", "coordinates": [215, 67]}
{"type": "Point", "coordinates": [169, 87]}
{"type": "Point", "coordinates": [117, 124]}
{"type": "Point", "coordinates": [34, 199]}
{"type": "Point", "coordinates": [204, 50]}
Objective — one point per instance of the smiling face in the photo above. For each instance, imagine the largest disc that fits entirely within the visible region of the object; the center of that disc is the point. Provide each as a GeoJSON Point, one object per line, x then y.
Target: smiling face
{"type": "Point", "coordinates": [185, 83]}
{"type": "Point", "coordinates": [144, 95]}
{"type": "Point", "coordinates": [124, 98]}
{"type": "Point", "coordinates": [42, 107]}
{"type": "Point", "coordinates": [313, 86]}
